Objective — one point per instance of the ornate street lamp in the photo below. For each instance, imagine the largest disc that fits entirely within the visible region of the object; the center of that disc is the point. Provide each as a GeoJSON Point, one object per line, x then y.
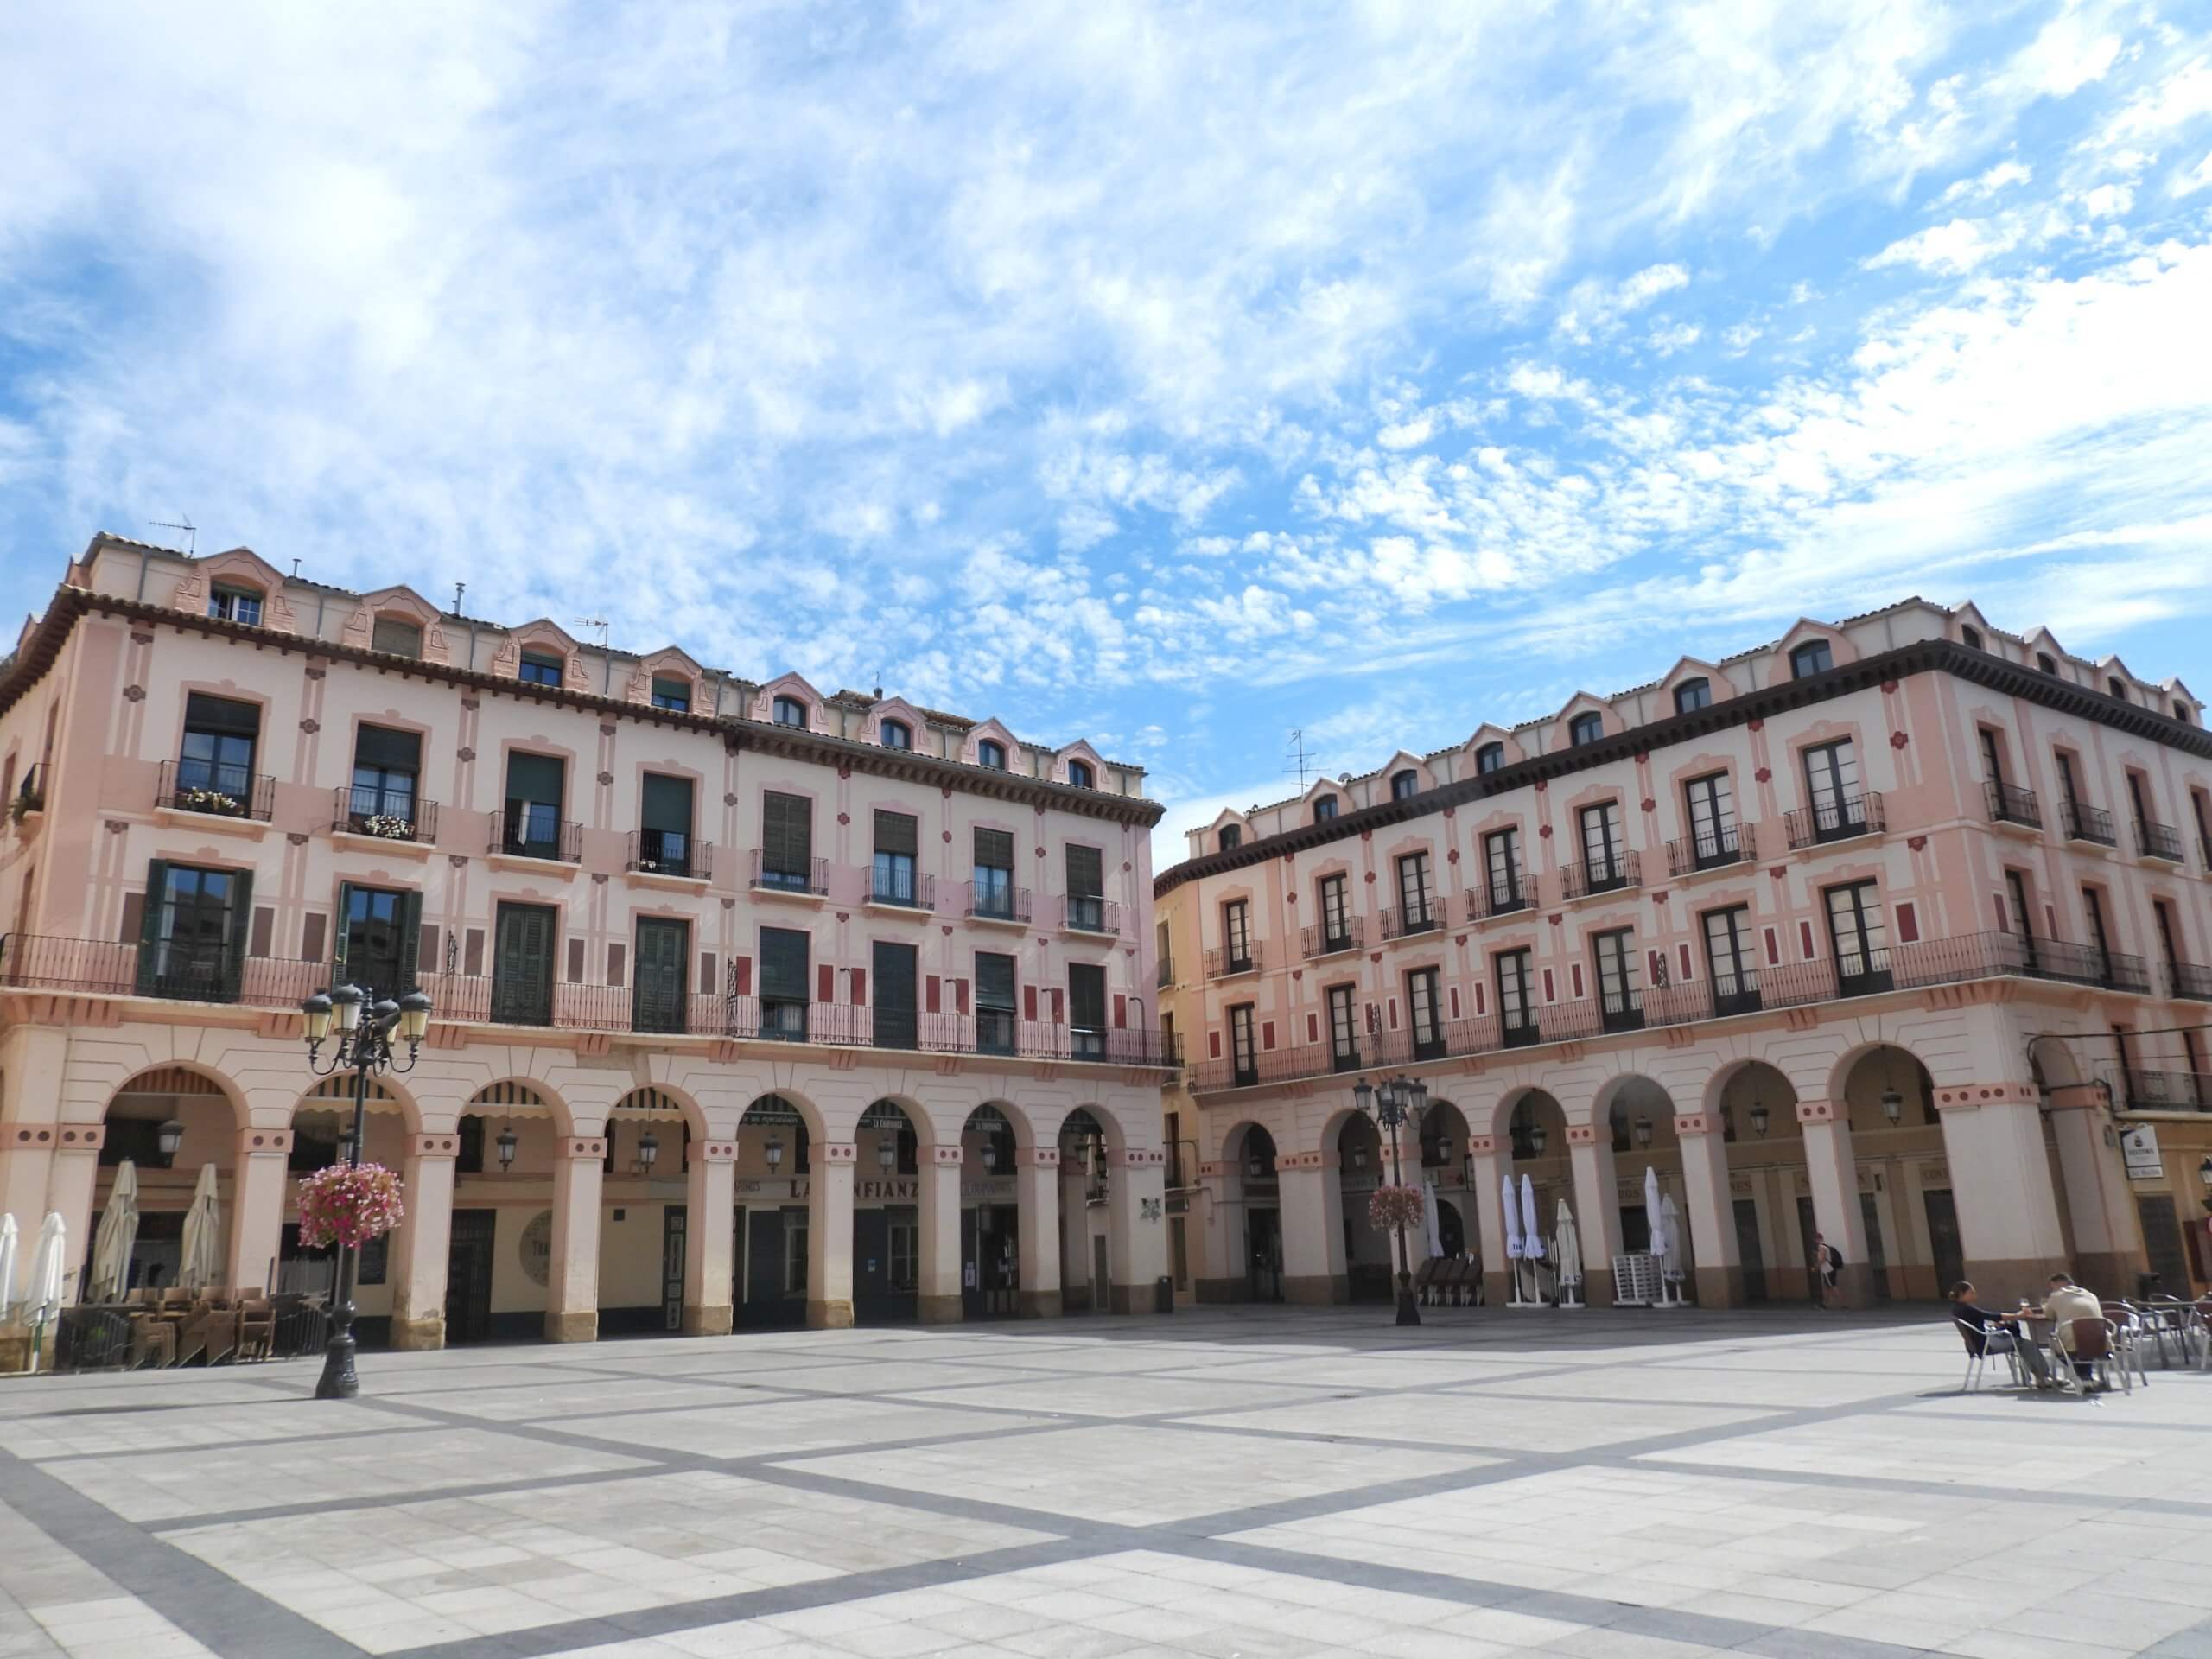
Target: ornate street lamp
{"type": "Point", "coordinates": [1642, 1133]}
{"type": "Point", "coordinates": [506, 1143]}
{"type": "Point", "coordinates": [365, 1044]}
{"type": "Point", "coordinates": [1537, 1135]}
{"type": "Point", "coordinates": [1391, 1105]}
{"type": "Point", "coordinates": [648, 1151]}
{"type": "Point", "coordinates": [1759, 1120]}
{"type": "Point", "coordinates": [1893, 1107]}
{"type": "Point", "coordinates": [990, 1155]}
{"type": "Point", "coordinates": [774, 1150]}
{"type": "Point", "coordinates": [169, 1137]}
{"type": "Point", "coordinates": [887, 1153]}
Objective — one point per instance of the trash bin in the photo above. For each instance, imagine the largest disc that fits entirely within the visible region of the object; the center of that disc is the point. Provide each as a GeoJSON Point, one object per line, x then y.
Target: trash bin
{"type": "Point", "coordinates": [1163, 1295]}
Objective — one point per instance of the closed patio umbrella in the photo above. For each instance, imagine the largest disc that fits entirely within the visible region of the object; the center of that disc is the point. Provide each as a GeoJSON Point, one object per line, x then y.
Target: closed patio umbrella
{"type": "Point", "coordinates": [7, 1265]}
{"type": "Point", "coordinates": [1566, 1246]}
{"type": "Point", "coordinates": [49, 1278]}
{"type": "Point", "coordinates": [1672, 1260]}
{"type": "Point", "coordinates": [1653, 1212]}
{"type": "Point", "coordinates": [1430, 1219]}
{"type": "Point", "coordinates": [1532, 1241]}
{"type": "Point", "coordinates": [200, 1258]}
{"type": "Point", "coordinates": [118, 1231]}
{"type": "Point", "coordinates": [1511, 1212]}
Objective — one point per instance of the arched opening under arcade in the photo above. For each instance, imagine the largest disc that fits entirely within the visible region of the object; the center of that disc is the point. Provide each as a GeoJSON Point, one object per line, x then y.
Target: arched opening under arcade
{"type": "Point", "coordinates": [1911, 1224]}
{"type": "Point", "coordinates": [643, 1215]}
{"type": "Point", "coordinates": [886, 1216]}
{"type": "Point", "coordinates": [1638, 1116]}
{"type": "Point", "coordinates": [322, 1128]}
{"type": "Point", "coordinates": [1770, 1196]}
{"type": "Point", "coordinates": [1255, 1223]}
{"type": "Point", "coordinates": [1533, 1137]}
{"type": "Point", "coordinates": [1443, 1171]}
{"type": "Point", "coordinates": [990, 1216]}
{"type": "Point", "coordinates": [168, 1124]}
{"type": "Point", "coordinates": [775, 1148]}
{"type": "Point", "coordinates": [1086, 1283]}
{"type": "Point", "coordinates": [1361, 1165]}
{"type": "Point", "coordinates": [499, 1249]}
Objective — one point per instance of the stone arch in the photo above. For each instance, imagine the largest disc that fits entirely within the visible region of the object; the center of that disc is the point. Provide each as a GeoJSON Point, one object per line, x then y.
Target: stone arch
{"type": "Point", "coordinates": [889, 1126]}
{"type": "Point", "coordinates": [919, 1118]}
{"type": "Point", "coordinates": [1443, 1134]}
{"type": "Point", "coordinates": [385, 1094]}
{"type": "Point", "coordinates": [1025, 1126]}
{"type": "Point", "coordinates": [1739, 1091]}
{"type": "Point", "coordinates": [185, 1077]}
{"type": "Point", "coordinates": [1117, 1132]}
{"type": "Point", "coordinates": [202, 1101]}
{"type": "Point", "coordinates": [787, 1126]}
{"type": "Point", "coordinates": [1862, 1074]}
{"type": "Point", "coordinates": [1628, 1101]}
{"type": "Point", "coordinates": [998, 1129]}
{"type": "Point", "coordinates": [527, 1094]}
{"type": "Point", "coordinates": [1540, 1102]}
{"type": "Point", "coordinates": [665, 1099]}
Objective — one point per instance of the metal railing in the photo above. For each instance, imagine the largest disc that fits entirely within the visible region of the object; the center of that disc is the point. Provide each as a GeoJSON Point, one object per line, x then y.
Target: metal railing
{"type": "Point", "coordinates": [1839, 820]}
{"type": "Point", "coordinates": [1712, 849]}
{"type": "Point", "coordinates": [1620, 1010]}
{"type": "Point", "coordinates": [1593, 876]}
{"type": "Point", "coordinates": [910, 889]}
{"type": "Point", "coordinates": [173, 973]}
{"type": "Point", "coordinates": [998, 903]}
{"type": "Point", "coordinates": [1087, 912]}
{"type": "Point", "coordinates": [1402, 922]}
{"type": "Point", "coordinates": [2167, 1091]}
{"type": "Point", "coordinates": [220, 791]}
{"type": "Point", "coordinates": [1221, 963]}
{"type": "Point", "coordinates": [535, 832]}
{"type": "Point", "coordinates": [1327, 939]}
{"type": "Point", "coordinates": [1500, 898]}
{"type": "Point", "coordinates": [364, 809]}
{"type": "Point", "coordinates": [2009, 804]}
{"type": "Point", "coordinates": [2157, 841]}
{"type": "Point", "coordinates": [2083, 822]}
{"type": "Point", "coordinates": [2187, 980]}
{"type": "Point", "coordinates": [813, 879]}
{"type": "Point", "coordinates": [669, 852]}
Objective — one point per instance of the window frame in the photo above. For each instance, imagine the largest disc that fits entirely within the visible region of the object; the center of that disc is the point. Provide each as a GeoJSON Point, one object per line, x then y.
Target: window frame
{"type": "Point", "coordinates": [1811, 656]}
{"type": "Point", "coordinates": [782, 706]}
{"type": "Point", "coordinates": [1584, 728]}
{"type": "Point", "coordinates": [676, 701]}
{"type": "Point", "coordinates": [1405, 784]}
{"type": "Point", "coordinates": [885, 730]}
{"type": "Point", "coordinates": [1080, 775]}
{"type": "Point", "coordinates": [1490, 758]}
{"type": "Point", "coordinates": [224, 599]}
{"type": "Point", "coordinates": [990, 754]}
{"type": "Point", "coordinates": [1691, 695]}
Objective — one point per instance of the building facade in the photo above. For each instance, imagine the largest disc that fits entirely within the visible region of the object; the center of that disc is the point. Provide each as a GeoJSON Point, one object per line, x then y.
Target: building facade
{"type": "Point", "coordinates": [1895, 931]}
{"type": "Point", "coordinates": [752, 1005]}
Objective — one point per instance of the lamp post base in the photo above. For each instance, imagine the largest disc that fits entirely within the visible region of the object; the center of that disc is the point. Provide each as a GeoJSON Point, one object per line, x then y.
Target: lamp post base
{"type": "Point", "coordinates": [1408, 1309]}
{"type": "Point", "coordinates": [338, 1380]}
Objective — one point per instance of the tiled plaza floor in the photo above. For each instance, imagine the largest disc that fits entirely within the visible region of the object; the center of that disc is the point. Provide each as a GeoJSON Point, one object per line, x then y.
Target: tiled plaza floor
{"type": "Point", "coordinates": [1274, 1482]}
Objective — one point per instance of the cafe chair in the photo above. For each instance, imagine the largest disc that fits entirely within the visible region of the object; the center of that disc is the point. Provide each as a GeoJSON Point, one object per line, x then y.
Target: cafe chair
{"type": "Point", "coordinates": [2095, 1354]}
{"type": "Point", "coordinates": [1979, 1353]}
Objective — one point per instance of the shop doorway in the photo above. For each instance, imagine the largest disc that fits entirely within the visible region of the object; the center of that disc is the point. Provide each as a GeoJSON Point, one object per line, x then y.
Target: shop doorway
{"type": "Point", "coordinates": [468, 1276]}
{"type": "Point", "coordinates": [1264, 1250]}
{"type": "Point", "coordinates": [1943, 1239]}
{"type": "Point", "coordinates": [1748, 1253]}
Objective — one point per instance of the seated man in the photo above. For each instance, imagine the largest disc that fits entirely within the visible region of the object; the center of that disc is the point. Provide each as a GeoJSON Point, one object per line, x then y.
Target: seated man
{"type": "Point", "coordinates": [1994, 1334]}
{"type": "Point", "coordinates": [2066, 1302]}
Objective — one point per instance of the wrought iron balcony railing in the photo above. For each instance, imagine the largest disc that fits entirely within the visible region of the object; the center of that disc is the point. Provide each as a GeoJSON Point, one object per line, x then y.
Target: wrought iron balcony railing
{"type": "Point", "coordinates": [170, 971]}
{"type": "Point", "coordinates": [2157, 841]}
{"type": "Point", "coordinates": [2167, 1091]}
{"type": "Point", "coordinates": [2085, 823]}
{"type": "Point", "coordinates": [1501, 896]}
{"type": "Point", "coordinates": [1600, 876]}
{"type": "Point", "coordinates": [911, 889]}
{"type": "Point", "coordinates": [1329, 939]}
{"type": "Point", "coordinates": [537, 832]}
{"type": "Point", "coordinates": [1086, 913]}
{"type": "Point", "coordinates": [2189, 982]}
{"type": "Point", "coordinates": [30, 793]}
{"type": "Point", "coordinates": [807, 875]}
{"type": "Point", "coordinates": [1404, 921]}
{"type": "Point", "coordinates": [668, 852]}
{"type": "Point", "coordinates": [220, 791]}
{"type": "Point", "coordinates": [1841, 819]}
{"type": "Point", "coordinates": [2009, 804]}
{"type": "Point", "coordinates": [361, 810]}
{"type": "Point", "coordinates": [1222, 960]}
{"type": "Point", "coordinates": [992, 901]}
{"type": "Point", "coordinates": [1712, 849]}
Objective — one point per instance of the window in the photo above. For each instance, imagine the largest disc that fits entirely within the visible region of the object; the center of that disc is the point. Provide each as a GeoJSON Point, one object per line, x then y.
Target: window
{"type": "Point", "coordinates": [2067, 790]}
{"type": "Point", "coordinates": [1692, 695]}
{"type": "Point", "coordinates": [386, 765]}
{"type": "Point", "coordinates": [894, 1005]}
{"type": "Point", "coordinates": [1231, 837]}
{"type": "Point", "coordinates": [664, 825]}
{"type": "Point", "coordinates": [536, 786]}
{"type": "Point", "coordinates": [1585, 728]}
{"type": "Point", "coordinates": [214, 770]}
{"type": "Point", "coordinates": [1236, 936]}
{"type": "Point", "coordinates": [1336, 913]}
{"type": "Point", "coordinates": [1344, 1027]}
{"type": "Point", "coordinates": [1856, 933]}
{"type": "Point", "coordinates": [1993, 756]}
{"type": "Point", "coordinates": [376, 936]}
{"type": "Point", "coordinates": [2092, 909]}
{"type": "Point", "coordinates": [660, 988]}
{"type": "Point", "coordinates": [2169, 947]}
{"type": "Point", "coordinates": [1087, 1010]}
{"type": "Point", "coordinates": [190, 940]}
{"type": "Point", "coordinates": [794, 1251]}
{"type": "Point", "coordinates": [1516, 1004]}
{"type": "Point", "coordinates": [1414, 914]}
{"type": "Point", "coordinates": [788, 711]}
{"type": "Point", "coordinates": [1243, 1057]}
{"type": "Point", "coordinates": [1813, 656]}
{"type": "Point", "coordinates": [991, 755]}
{"type": "Point", "coordinates": [1086, 888]}
{"type": "Point", "coordinates": [1404, 785]}
{"type": "Point", "coordinates": [1488, 757]}
{"type": "Point", "coordinates": [1605, 864]}
{"type": "Point", "coordinates": [783, 996]}
{"type": "Point", "coordinates": [993, 893]}
{"type": "Point", "coordinates": [1714, 840]}
{"type": "Point", "coordinates": [1502, 860]}
{"type": "Point", "coordinates": [539, 668]}
{"type": "Point", "coordinates": [523, 939]}
{"type": "Point", "coordinates": [898, 844]}
{"type": "Point", "coordinates": [994, 1003]}
{"type": "Point", "coordinates": [468, 1157]}
{"type": "Point", "coordinates": [1837, 808]}
{"type": "Point", "coordinates": [1971, 637]}
{"type": "Point", "coordinates": [1325, 808]}
{"type": "Point", "coordinates": [2047, 663]}
{"type": "Point", "coordinates": [2183, 712]}
{"type": "Point", "coordinates": [1728, 959]}
{"type": "Point", "coordinates": [787, 843]}
{"type": "Point", "coordinates": [1619, 1004]}
{"type": "Point", "coordinates": [1080, 775]}
{"type": "Point", "coordinates": [1424, 1006]}
{"type": "Point", "coordinates": [2016, 888]}
{"type": "Point", "coordinates": [2117, 686]}
{"type": "Point", "coordinates": [229, 604]}
{"type": "Point", "coordinates": [397, 637]}
{"type": "Point", "coordinates": [675, 695]}
{"type": "Point", "coordinates": [895, 734]}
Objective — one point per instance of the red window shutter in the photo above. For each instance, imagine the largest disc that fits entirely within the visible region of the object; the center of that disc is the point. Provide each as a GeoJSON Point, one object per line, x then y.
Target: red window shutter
{"type": "Point", "coordinates": [2003, 926]}
{"type": "Point", "coordinates": [1059, 1005]}
{"type": "Point", "coordinates": [2050, 922]}
{"type": "Point", "coordinates": [1805, 939]}
{"type": "Point", "coordinates": [1121, 1012]}
{"type": "Point", "coordinates": [825, 984]}
{"type": "Point", "coordinates": [1550, 996]}
{"type": "Point", "coordinates": [1029, 1004]}
{"type": "Point", "coordinates": [931, 1002]}
{"type": "Point", "coordinates": [708, 980]}
{"type": "Point", "coordinates": [1658, 960]}
{"type": "Point", "coordinates": [1482, 999]}
{"type": "Point", "coordinates": [1908, 923]}
{"type": "Point", "coordinates": [1392, 1004]}
{"type": "Point", "coordinates": [1266, 1033]}
{"type": "Point", "coordinates": [1312, 1027]}
{"type": "Point", "coordinates": [1454, 996]}
{"type": "Point", "coordinates": [960, 996]}
{"type": "Point", "coordinates": [1574, 970]}
{"type": "Point", "coordinates": [1773, 949]}
{"type": "Point", "coordinates": [1213, 1045]}
{"type": "Point", "coordinates": [741, 971]}
{"type": "Point", "coordinates": [860, 988]}
{"type": "Point", "coordinates": [1684, 958]}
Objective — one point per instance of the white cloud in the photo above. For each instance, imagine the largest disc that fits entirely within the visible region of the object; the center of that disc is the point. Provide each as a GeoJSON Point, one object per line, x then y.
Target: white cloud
{"type": "Point", "coordinates": [1959, 246]}
{"type": "Point", "coordinates": [1983, 186]}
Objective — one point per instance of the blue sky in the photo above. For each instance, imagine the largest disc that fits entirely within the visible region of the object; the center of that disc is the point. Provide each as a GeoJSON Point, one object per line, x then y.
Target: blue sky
{"type": "Point", "coordinates": [1170, 375]}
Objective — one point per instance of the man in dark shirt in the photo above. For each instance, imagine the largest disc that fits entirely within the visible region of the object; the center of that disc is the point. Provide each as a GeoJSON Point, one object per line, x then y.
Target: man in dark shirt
{"type": "Point", "coordinates": [1995, 1333]}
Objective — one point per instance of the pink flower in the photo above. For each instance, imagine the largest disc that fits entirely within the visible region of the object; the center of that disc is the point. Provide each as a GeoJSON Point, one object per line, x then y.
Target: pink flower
{"type": "Point", "coordinates": [348, 1205]}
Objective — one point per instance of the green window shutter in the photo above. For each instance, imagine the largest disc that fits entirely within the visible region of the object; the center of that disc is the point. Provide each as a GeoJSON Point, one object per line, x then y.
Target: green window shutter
{"type": "Point", "coordinates": [150, 923]}
{"type": "Point", "coordinates": [995, 850]}
{"type": "Point", "coordinates": [898, 832]}
{"type": "Point", "coordinates": [205, 713]}
{"type": "Point", "coordinates": [540, 778]}
{"type": "Point", "coordinates": [787, 833]}
{"type": "Point", "coordinates": [994, 982]}
{"type": "Point", "coordinates": [667, 804]}
{"type": "Point", "coordinates": [342, 945]}
{"type": "Point", "coordinates": [394, 751]}
{"type": "Point", "coordinates": [411, 939]}
{"type": "Point", "coordinates": [784, 963]}
{"type": "Point", "coordinates": [1085, 876]}
{"type": "Point", "coordinates": [1086, 994]}
{"type": "Point", "coordinates": [240, 928]}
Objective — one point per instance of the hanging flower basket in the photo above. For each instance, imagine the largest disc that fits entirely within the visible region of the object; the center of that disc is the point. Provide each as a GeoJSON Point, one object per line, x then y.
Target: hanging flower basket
{"type": "Point", "coordinates": [1392, 1207]}
{"type": "Point", "coordinates": [348, 1205]}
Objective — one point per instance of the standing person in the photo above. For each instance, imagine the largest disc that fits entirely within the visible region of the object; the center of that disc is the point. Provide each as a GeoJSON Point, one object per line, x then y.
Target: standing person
{"type": "Point", "coordinates": [1828, 1271]}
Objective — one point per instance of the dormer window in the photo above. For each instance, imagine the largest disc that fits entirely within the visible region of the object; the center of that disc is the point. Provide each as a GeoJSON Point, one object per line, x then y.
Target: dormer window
{"type": "Point", "coordinates": [2047, 663]}
{"type": "Point", "coordinates": [990, 755]}
{"type": "Point", "coordinates": [2117, 686]}
{"type": "Point", "coordinates": [675, 695]}
{"type": "Point", "coordinates": [1080, 775]}
{"type": "Point", "coordinates": [1232, 838]}
{"type": "Point", "coordinates": [398, 637]}
{"type": "Point", "coordinates": [1971, 637]}
{"type": "Point", "coordinates": [1488, 757]}
{"type": "Point", "coordinates": [1585, 728]}
{"type": "Point", "coordinates": [1813, 656]}
{"type": "Point", "coordinates": [789, 711]}
{"type": "Point", "coordinates": [1692, 695]}
{"type": "Point", "coordinates": [1404, 785]}
{"type": "Point", "coordinates": [539, 668]}
{"type": "Point", "coordinates": [1325, 808]}
{"type": "Point", "coordinates": [2183, 713]}
{"type": "Point", "coordinates": [895, 734]}
{"type": "Point", "coordinates": [239, 605]}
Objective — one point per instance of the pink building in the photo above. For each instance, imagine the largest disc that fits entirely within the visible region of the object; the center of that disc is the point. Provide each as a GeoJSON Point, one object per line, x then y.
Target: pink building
{"type": "Point", "coordinates": [753, 1005]}
{"type": "Point", "coordinates": [1895, 930]}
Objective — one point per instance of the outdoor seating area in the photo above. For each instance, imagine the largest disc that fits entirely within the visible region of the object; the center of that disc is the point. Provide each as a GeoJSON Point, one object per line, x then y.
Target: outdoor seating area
{"type": "Point", "coordinates": [2086, 1354]}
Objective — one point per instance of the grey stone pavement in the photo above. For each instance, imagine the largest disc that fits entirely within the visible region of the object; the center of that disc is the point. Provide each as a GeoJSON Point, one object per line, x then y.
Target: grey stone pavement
{"type": "Point", "coordinates": [1266, 1482]}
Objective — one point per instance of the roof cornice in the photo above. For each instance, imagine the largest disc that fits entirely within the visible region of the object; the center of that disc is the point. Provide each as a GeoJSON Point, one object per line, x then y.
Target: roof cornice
{"type": "Point", "coordinates": [1923, 657]}
{"type": "Point", "coordinates": [37, 657]}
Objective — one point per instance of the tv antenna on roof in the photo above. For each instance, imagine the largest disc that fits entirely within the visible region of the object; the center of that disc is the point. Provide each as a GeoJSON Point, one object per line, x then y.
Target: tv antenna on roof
{"type": "Point", "coordinates": [599, 622]}
{"type": "Point", "coordinates": [190, 530]}
{"type": "Point", "coordinates": [1302, 762]}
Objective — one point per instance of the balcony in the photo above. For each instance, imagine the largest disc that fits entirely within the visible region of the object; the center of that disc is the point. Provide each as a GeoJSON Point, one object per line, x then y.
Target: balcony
{"type": "Point", "coordinates": [901, 889]}
{"type": "Point", "coordinates": [2159, 841]}
{"type": "Point", "coordinates": [105, 966]}
{"type": "Point", "coordinates": [535, 832]}
{"type": "Point", "coordinates": [670, 853]}
{"type": "Point", "coordinates": [807, 879]}
{"type": "Point", "coordinates": [997, 902]}
{"type": "Point", "coordinates": [380, 814]}
{"type": "Point", "coordinates": [1598, 876]}
{"type": "Point", "coordinates": [1223, 963]}
{"type": "Point", "coordinates": [2089, 823]}
{"type": "Point", "coordinates": [1713, 849]}
{"type": "Point", "coordinates": [1405, 921]}
{"type": "Point", "coordinates": [2167, 1091]}
{"type": "Point", "coordinates": [1841, 819]}
{"type": "Point", "coordinates": [2188, 982]}
{"type": "Point", "coordinates": [1163, 973]}
{"type": "Point", "coordinates": [1620, 1010]}
{"type": "Point", "coordinates": [1332, 938]}
{"type": "Point", "coordinates": [1500, 897]}
{"type": "Point", "coordinates": [1086, 913]}
{"type": "Point", "coordinates": [2010, 805]}
{"type": "Point", "coordinates": [218, 791]}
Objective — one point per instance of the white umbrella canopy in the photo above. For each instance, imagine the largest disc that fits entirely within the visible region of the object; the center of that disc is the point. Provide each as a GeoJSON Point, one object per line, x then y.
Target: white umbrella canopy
{"type": "Point", "coordinates": [118, 1231]}
{"type": "Point", "coordinates": [1429, 1219]}
{"type": "Point", "coordinates": [1566, 1246]}
{"type": "Point", "coordinates": [49, 1274]}
{"type": "Point", "coordinates": [7, 1265]}
{"type": "Point", "coordinates": [1532, 1240]}
{"type": "Point", "coordinates": [1655, 1214]}
{"type": "Point", "coordinates": [200, 1258]}
{"type": "Point", "coordinates": [1511, 1211]}
{"type": "Point", "coordinates": [1672, 1255]}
